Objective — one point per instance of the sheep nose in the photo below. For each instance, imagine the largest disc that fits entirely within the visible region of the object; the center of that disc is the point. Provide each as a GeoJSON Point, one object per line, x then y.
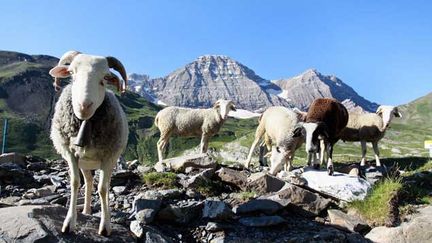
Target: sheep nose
{"type": "Point", "coordinates": [86, 105]}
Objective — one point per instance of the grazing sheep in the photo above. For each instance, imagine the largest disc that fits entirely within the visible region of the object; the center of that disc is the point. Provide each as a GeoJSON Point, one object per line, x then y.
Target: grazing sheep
{"type": "Point", "coordinates": [278, 126]}
{"type": "Point", "coordinates": [369, 127]}
{"type": "Point", "coordinates": [187, 122]}
{"type": "Point", "coordinates": [325, 119]}
{"type": "Point", "coordinates": [87, 101]}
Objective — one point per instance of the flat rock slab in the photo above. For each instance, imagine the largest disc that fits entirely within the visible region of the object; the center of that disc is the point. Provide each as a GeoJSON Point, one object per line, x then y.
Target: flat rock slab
{"type": "Point", "coordinates": [341, 186]}
{"type": "Point", "coordinates": [347, 222]}
{"type": "Point", "coordinates": [179, 164]}
{"type": "Point", "coordinates": [262, 221]}
{"type": "Point", "coordinates": [418, 229]}
{"type": "Point", "coordinates": [43, 224]}
{"type": "Point", "coordinates": [258, 205]}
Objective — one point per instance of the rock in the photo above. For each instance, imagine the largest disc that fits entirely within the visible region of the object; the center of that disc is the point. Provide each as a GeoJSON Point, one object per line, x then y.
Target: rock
{"type": "Point", "coordinates": [196, 180]}
{"type": "Point", "coordinates": [301, 200]}
{"type": "Point", "coordinates": [179, 164]}
{"type": "Point", "coordinates": [263, 183]}
{"type": "Point", "coordinates": [13, 158]}
{"type": "Point", "coordinates": [141, 204]}
{"type": "Point", "coordinates": [41, 192]}
{"type": "Point", "coordinates": [341, 186]}
{"type": "Point", "coordinates": [37, 166]}
{"type": "Point", "coordinates": [347, 222]}
{"type": "Point", "coordinates": [57, 181]}
{"type": "Point", "coordinates": [136, 228]}
{"type": "Point", "coordinates": [262, 221]}
{"type": "Point", "coordinates": [258, 205]}
{"type": "Point", "coordinates": [217, 210]}
{"type": "Point", "coordinates": [122, 177]}
{"type": "Point", "coordinates": [182, 212]}
{"type": "Point", "coordinates": [38, 201]}
{"type": "Point", "coordinates": [13, 174]}
{"type": "Point", "coordinates": [293, 177]}
{"type": "Point", "coordinates": [153, 235]}
{"type": "Point", "coordinates": [146, 216]}
{"type": "Point", "coordinates": [214, 226]}
{"type": "Point", "coordinates": [160, 167]}
{"type": "Point", "coordinates": [43, 224]}
{"type": "Point", "coordinates": [118, 190]}
{"type": "Point", "coordinates": [233, 177]}
{"type": "Point", "coordinates": [161, 194]}
{"type": "Point", "coordinates": [415, 230]}
{"type": "Point", "coordinates": [142, 169]}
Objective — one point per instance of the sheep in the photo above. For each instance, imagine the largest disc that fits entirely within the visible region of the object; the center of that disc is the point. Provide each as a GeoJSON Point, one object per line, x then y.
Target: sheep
{"type": "Point", "coordinates": [187, 122]}
{"type": "Point", "coordinates": [369, 127]}
{"type": "Point", "coordinates": [278, 126]}
{"type": "Point", "coordinates": [325, 120]}
{"type": "Point", "coordinates": [87, 101]}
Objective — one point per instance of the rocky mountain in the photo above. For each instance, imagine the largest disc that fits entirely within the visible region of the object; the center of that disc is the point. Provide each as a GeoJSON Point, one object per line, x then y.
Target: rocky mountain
{"type": "Point", "coordinates": [209, 78]}
{"type": "Point", "coordinates": [304, 88]}
{"type": "Point", "coordinates": [418, 111]}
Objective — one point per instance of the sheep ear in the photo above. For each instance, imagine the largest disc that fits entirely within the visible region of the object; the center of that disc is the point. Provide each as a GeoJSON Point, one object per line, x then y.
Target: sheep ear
{"type": "Point", "coordinates": [379, 111]}
{"type": "Point", "coordinates": [297, 131]}
{"type": "Point", "coordinates": [114, 80]}
{"type": "Point", "coordinates": [60, 71]}
{"type": "Point", "coordinates": [217, 104]}
{"type": "Point", "coordinates": [233, 108]}
{"type": "Point", "coordinates": [397, 113]}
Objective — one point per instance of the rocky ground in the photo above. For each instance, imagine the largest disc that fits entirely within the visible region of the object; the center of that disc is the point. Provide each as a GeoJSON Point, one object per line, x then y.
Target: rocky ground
{"type": "Point", "coordinates": [192, 199]}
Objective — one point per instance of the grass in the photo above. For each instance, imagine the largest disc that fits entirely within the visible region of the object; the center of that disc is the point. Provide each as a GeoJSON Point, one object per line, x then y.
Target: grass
{"type": "Point", "coordinates": [376, 208]}
{"type": "Point", "coordinates": [165, 180]}
{"type": "Point", "coordinates": [247, 195]}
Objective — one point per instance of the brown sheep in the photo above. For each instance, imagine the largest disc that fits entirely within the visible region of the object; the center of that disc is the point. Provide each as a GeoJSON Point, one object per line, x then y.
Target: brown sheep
{"type": "Point", "coordinates": [325, 120]}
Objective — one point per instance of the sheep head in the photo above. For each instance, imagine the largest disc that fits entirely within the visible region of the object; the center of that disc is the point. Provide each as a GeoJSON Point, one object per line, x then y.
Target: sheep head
{"type": "Point", "coordinates": [313, 133]}
{"type": "Point", "coordinates": [278, 157]}
{"type": "Point", "coordinates": [90, 75]}
{"type": "Point", "coordinates": [224, 107]}
{"type": "Point", "coordinates": [387, 113]}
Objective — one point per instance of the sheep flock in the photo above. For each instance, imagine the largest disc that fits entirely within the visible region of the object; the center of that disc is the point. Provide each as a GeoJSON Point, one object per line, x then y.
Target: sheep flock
{"type": "Point", "coordinates": [89, 128]}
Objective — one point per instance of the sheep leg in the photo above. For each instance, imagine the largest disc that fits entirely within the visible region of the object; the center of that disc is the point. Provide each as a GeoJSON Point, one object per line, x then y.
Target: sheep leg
{"type": "Point", "coordinates": [363, 147]}
{"type": "Point", "coordinates": [88, 180]}
{"type": "Point", "coordinates": [330, 168]}
{"type": "Point", "coordinates": [258, 134]}
{"type": "Point", "coordinates": [322, 152]}
{"type": "Point", "coordinates": [288, 163]}
{"type": "Point", "coordinates": [161, 144]}
{"type": "Point", "coordinates": [309, 159]}
{"type": "Point", "coordinates": [376, 150]}
{"type": "Point", "coordinates": [69, 223]}
{"type": "Point", "coordinates": [103, 187]}
{"type": "Point", "coordinates": [204, 143]}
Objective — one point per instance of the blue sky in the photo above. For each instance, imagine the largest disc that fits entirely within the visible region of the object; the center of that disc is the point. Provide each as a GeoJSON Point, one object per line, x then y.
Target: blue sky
{"type": "Point", "coordinates": [383, 49]}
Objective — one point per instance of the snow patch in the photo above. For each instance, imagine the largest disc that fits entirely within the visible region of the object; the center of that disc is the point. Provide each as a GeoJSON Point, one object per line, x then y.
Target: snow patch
{"type": "Point", "coordinates": [243, 114]}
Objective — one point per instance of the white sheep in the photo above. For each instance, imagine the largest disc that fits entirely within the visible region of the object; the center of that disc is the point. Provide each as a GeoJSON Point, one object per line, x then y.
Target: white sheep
{"type": "Point", "coordinates": [87, 101]}
{"type": "Point", "coordinates": [187, 122]}
{"type": "Point", "coordinates": [278, 126]}
{"type": "Point", "coordinates": [369, 127]}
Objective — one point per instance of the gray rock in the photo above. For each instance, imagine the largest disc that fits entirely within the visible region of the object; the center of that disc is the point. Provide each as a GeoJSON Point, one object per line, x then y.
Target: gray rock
{"type": "Point", "coordinates": [196, 180]}
{"type": "Point", "coordinates": [415, 230]}
{"type": "Point", "coordinates": [43, 224]}
{"type": "Point", "coordinates": [118, 190]}
{"type": "Point", "coordinates": [217, 210]}
{"type": "Point", "coordinates": [136, 228]}
{"type": "Point", "coordinates": [182, 212]}
{"type": "Point", "coordinates": [262, 221]}
{"type": "Point", "coordinates": [146, 216]}
{"type": "Point", "coordinates": [233, 177]}
{"type": "Point", "coordinates": [347, 222]}
{"type": "Point", "coordinates": [262, 183]}
{"type": "Point", "coordinates": [141, 204]}
{"type": "Point", "coordinates": [258, 205]}
{"type": "Point", "coordinates": [13, 158]}
{"type": "Point", "coordinates": [214, 226]}
{"type": "Point", "coordinates": [179, 164]}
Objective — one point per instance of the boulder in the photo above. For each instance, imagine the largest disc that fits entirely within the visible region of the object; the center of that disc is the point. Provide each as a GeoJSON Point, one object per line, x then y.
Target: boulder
{"type": "Point", "coordinates": [258, 206]}
{"type": "Point", "coordinates": [13, 158]}
{"type": "Point", "coordinates": [262, 221]}
{"type": "Point", "coordinates": [179, 164]}
{"type": "Point", "coordinates": [262, 183]}
{"type": "Point", "coordinates": [182, 212]}
{"type": "Point", "coordinates": [415, 230]}
{"type": "Point", "coordinates": [344, 221]}
{"type": "Point", "coordinates": [301, 200]}
{"type": "Point", "coordinates": [233, 177]}
{"type": "Point", "coordinates": [43, 224]}
{"type": "Point", "coordinates": [217, 210]}
{"type": "Point", "coordinates": [340, 186]}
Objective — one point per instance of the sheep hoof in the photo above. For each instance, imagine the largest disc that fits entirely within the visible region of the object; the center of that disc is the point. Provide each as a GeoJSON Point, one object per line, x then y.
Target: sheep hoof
{"type": "Point", "coordinates": [104, 232]}
{"type": "Point", "coordinates": [330, 170]}
{"type": "Point", "coordinates": [66, 229]}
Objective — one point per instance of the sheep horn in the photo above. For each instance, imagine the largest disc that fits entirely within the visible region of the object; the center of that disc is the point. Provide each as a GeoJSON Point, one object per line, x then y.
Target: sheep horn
{"type": "Point", "coordinates": [66, 58]}
{"type": "Point", "coordinates": [115, 64]}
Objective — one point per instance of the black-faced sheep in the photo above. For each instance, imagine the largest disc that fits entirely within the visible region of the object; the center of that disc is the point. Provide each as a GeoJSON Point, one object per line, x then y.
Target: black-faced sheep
{"type": "Point", "coordinates": [186, 122]}
{"type": "Point", "coordinates": [86, 100]}
{"type": "Point", "coordinates": [277, 125]}
{"type": "Point", "coordinates": [369, 127]}
{"type": "Point", "coordinates": [325, 120]}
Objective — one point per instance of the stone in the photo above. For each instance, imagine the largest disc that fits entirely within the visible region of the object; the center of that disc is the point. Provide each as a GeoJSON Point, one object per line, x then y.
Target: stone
{"type": "Point", "coordinates": [43, 224]}
{"type": "Point", "coordinates": [141, 204]}
{"type": "Point", "coordinates": [233, 177]}
{"type": "Point", "coordinates": [179, 164]}
{"type": "Point", "coordinates": [160, 167]}
{"type": "Point", "coordinates": [214, 226]}
{"type": "Point", "coordinates": [301, 200]}
{"type": "Point", "coordinates": [13, 158]}
{"type": "Point", "coordinates": [118, 190]}
{"type": "Point", "coordinates": [57, 181]}
{"type": "Point", "coordinates": [123, 177]}
{"type": "Point", "coordinates": [262, 221]}
{"type": "Point", "coordinates": [196, 180]}
{"type": "Point", "coordinates": [258, 205]}
{"type": "Point", "coordinates": [182, 212]}
{"type": "Point", "coordinates": [344, 221]}
{"type": "Point", "coordinates": [262, 183]}
{"type": "Point", "coordinates": [217, 210]}
{"type": "Point", "coordinates": [13, 174]}
{"type": "Point", "coordinates": [293, 177]}
{"type": "Point", "coordinates": [37, 166]}
{"type": "Point", "coordinates": [417, 229]}
{"type": "Point", "coordinates": [142, 169]}
{"type": "Point", "coordinates": [136, 228]}
{"type": "Point", "coordinates": [341, 186]}
{"type": "Point", "coordinates": [146, 216]}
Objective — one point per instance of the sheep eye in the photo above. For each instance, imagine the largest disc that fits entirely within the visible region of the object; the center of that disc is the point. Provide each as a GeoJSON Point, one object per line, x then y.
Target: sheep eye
{"type": "Point", "coordinates": [277, 149]}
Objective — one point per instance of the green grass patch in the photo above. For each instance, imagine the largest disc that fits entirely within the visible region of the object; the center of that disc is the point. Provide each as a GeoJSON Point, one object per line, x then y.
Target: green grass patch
{"type": "Point", "coordinates": [247, 195]}
{"type": "Point", "coordinates": [376, 207]}
{"type": "Point", "coordinates": [166, 180]}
